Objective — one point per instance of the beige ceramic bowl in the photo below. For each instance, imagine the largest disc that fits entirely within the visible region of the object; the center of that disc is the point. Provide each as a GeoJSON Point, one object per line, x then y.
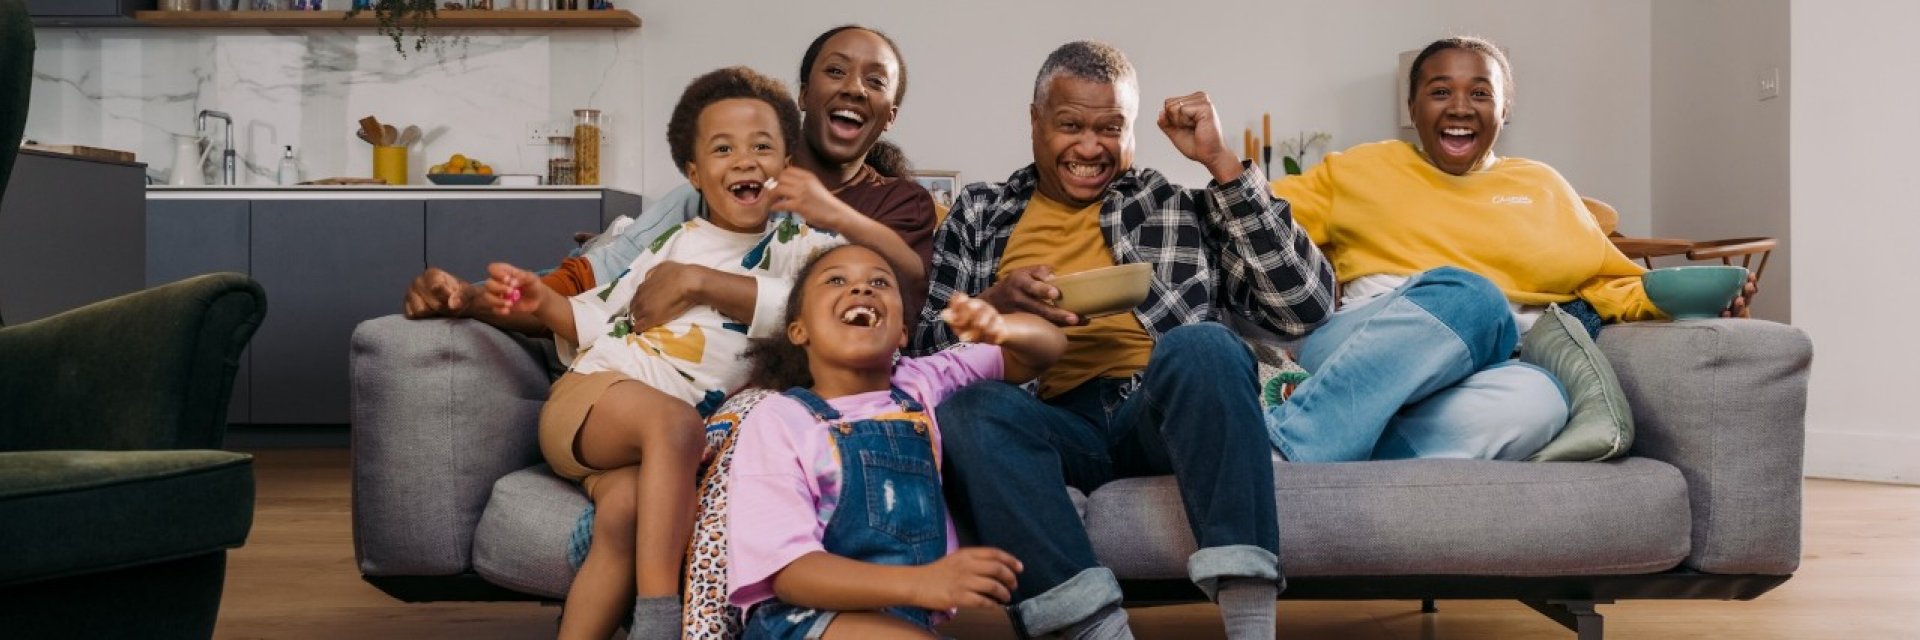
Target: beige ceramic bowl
{"type": "Point", "coordinates": [1107, 291]}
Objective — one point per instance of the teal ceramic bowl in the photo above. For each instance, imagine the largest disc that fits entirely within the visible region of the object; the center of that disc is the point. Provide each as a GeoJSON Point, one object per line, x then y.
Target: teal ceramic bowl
{"type": "Point", "coordinates": [1694, 292]}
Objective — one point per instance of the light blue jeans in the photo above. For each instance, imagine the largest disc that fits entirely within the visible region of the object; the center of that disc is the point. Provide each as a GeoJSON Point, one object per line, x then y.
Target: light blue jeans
{"type": "Point", "coordinates": [1422, 372]}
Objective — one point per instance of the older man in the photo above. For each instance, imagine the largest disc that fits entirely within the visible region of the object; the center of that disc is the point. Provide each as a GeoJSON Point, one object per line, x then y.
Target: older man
{"type": "Point", "coordinates": [1163, 389]}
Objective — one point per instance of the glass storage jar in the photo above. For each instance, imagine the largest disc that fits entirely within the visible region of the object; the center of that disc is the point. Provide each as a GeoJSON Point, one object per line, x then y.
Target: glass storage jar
{"type": "Point", "coordinates": [560, 167]}
{"type": "Point", "coordinates": [586, 146]}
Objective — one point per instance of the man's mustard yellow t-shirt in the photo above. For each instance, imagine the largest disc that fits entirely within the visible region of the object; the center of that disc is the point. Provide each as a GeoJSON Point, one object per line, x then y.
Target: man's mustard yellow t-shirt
{"type": "Point", "coordinates": [1381, 208]}
{"type": "Point", "coordinates": [1071, 241]}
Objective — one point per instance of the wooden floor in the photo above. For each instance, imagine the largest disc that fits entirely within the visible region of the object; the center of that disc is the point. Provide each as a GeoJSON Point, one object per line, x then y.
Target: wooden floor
{"type": "Point", "coordinates": [1860, 580]}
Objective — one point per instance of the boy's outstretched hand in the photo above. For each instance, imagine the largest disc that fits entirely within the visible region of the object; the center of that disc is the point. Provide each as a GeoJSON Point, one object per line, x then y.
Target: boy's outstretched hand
{"type": "Point", "coordinates": [973, 320]}
{"type": "Point", "coordinates": [969, 577]}
{"type": "Point", "coordinates": [510, 289]}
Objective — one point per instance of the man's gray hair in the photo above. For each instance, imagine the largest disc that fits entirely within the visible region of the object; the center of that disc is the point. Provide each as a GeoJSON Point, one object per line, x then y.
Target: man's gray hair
{"type": "Point", "coordinates": [1088, 60]}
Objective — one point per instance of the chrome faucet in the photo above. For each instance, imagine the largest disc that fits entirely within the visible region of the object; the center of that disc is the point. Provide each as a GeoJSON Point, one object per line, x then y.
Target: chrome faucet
{"type": "Point", "coordinates": [228, 160]}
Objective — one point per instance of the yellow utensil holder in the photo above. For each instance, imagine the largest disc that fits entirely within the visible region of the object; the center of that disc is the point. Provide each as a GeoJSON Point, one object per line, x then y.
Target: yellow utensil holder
{"type": "Point", "coordinates": [390, 165]}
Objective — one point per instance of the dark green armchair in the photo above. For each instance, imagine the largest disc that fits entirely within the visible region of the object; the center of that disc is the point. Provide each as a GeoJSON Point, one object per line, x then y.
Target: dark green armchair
{"type": "Point", "coordinates": [116, 504]}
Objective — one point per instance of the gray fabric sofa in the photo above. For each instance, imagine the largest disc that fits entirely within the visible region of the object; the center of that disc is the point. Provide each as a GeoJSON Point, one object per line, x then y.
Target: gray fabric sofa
{"type": "Point", "coordinates": [450, 501]}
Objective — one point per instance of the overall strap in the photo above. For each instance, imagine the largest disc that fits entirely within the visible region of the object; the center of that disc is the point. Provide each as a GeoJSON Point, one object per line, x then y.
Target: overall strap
{"type": "Point", "coordinates": [815, 404]}
{"type": "Point", "coordinates": [905, 401]}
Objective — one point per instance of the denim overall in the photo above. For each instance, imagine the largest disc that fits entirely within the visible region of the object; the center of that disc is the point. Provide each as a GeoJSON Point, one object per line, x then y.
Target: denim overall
{"type": "Point", "coordinates": [887, 466]}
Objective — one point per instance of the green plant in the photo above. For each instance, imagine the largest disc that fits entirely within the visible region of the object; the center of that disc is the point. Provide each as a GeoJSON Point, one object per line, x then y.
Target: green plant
{"type": "Point", "coordinates": [396, 16]}
{"type": "Point", "coordinates": [1293, 153]}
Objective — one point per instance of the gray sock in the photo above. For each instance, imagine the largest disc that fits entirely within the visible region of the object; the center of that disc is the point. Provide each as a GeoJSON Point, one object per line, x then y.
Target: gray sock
{"type": "Point", "coordinates": [1246, 605]}
{"type": "Point", "coordinates": [1106, 624]}
{"type": "Point", "coordinates": [655, 619]}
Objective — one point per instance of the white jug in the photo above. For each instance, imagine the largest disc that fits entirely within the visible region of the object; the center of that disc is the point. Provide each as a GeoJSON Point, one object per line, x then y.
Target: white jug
{"type": "Point", "coordinates": [189, 161]}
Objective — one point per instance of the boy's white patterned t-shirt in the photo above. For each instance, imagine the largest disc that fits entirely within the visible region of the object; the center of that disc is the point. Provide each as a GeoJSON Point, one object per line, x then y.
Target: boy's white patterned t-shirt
{"type": "Point", "coordinates": [697, 355]}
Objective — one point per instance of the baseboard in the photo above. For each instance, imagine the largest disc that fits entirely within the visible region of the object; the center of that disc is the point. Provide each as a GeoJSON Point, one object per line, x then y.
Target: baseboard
{"type": "Point", "coordinates": [248, 437]}
{"type": "Point", "coordinates": [1873, 457]}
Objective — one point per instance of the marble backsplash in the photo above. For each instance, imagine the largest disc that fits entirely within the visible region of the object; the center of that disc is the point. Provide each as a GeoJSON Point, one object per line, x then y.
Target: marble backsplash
{"type": "Point", "coordinates": [135, 89]}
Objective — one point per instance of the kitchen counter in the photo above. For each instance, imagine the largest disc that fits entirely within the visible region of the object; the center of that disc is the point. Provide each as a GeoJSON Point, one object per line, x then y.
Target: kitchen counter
{"type": "Point", "coordinates": [378, 192]}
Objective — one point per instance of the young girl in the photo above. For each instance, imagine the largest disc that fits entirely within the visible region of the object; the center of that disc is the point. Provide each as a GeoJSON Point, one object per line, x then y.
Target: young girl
{"type": "Point", "coordinates": [836, 517]}
{"type": "Point", "coordinates": [656, 357]}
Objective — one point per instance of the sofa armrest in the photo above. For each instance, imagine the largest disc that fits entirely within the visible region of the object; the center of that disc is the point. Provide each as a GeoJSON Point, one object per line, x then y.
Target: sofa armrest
{"type": "Point", "coordinates": [1726, 402]}
{"type": "Point", "coordinates": [149, 370]}
{"type": "Point", "coordinates": [441, 409]}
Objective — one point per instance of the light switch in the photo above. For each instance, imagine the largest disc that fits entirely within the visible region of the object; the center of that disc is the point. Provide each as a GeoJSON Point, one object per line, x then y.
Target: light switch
{"type": "Point", "coordinates": [1770, 83]}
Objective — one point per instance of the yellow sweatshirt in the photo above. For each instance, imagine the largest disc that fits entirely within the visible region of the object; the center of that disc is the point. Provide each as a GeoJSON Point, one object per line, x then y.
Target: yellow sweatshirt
{"type": "Point", "coordinates": [1381, 208]}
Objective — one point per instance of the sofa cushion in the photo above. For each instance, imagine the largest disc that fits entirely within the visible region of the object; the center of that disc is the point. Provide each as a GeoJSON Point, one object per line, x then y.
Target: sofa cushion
{"type": "Point", "coordinates": [522, 539]}
{"type": "Point", "coordinates": [521, 542]}
{"type": "Point", "coordinates": [1410, 517]}
{"type": "Point", "coordinates": [1426, 517]}
{"type": "Point", "coordinates": [1599, 424]}
{"type": "Point", "coordinates": [76, 512]}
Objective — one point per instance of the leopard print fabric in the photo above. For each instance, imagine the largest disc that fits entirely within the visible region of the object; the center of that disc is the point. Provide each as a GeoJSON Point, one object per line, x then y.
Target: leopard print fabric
{"type": "Point", "coordinates": [705, 613]}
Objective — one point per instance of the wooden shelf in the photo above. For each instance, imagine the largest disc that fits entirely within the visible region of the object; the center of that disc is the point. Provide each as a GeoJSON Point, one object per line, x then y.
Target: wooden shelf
{"type": "Point", "coordinates": [462, 19]}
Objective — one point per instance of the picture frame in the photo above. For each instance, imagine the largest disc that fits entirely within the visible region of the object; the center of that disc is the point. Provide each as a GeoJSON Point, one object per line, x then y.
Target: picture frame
{"type": "Point", "coordinates": [944, 185]}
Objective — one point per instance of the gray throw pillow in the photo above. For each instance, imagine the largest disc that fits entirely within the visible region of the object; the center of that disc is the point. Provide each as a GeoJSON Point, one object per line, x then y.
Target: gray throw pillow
{"type": "Point", "coordinates": [1599, 423]}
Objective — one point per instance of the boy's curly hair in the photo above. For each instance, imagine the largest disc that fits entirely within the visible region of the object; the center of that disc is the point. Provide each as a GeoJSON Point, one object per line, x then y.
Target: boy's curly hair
{"type": "Point", "coordinates": [726, 84]}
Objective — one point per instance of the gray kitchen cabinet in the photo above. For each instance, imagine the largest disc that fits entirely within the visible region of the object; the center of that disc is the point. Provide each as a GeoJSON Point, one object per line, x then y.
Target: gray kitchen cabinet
{"type": "Point", "coordinates": [330, 262]}
{"type": "Point", "coordinates": [326, 265]}
{"type": "Point", "coordinates": [72, 232]}
{"type": "Point", "coordinates": [463, 236]}
{"type": "Point", "coordinates": [614, 204]}
{"type": "Point", "coordinates": [186, 238]}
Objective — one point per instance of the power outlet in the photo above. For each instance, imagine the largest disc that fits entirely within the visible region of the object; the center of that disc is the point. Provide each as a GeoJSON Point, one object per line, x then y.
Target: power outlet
{"type": "Point", "coordinates": [1769, 84]}
{"type": "Point", "coordinates": [539, 131]}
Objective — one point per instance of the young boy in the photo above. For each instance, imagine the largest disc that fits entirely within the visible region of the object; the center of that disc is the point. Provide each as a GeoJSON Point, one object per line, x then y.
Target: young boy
{"type": "Point", "coordinates": [661, 345]}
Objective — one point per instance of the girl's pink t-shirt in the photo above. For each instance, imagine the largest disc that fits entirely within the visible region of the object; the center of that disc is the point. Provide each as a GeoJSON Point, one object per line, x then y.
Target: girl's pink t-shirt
{"type": "Point", "coordinates": [786, 469]}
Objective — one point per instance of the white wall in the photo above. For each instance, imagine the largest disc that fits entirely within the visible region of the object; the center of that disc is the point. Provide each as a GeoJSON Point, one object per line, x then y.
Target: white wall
{"type": "Point", "coordinates": [1720, 153]}
{"type": "Point", "coordinates": [1582, 68]}
{"type": "Point", "coordinates": [1855, 131]}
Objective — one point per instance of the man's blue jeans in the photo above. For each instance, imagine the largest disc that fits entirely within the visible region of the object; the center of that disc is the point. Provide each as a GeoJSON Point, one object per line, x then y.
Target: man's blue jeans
{"type": "Point", "coordinates": [1422, 372]}
{"type": "Point", "coordinates": [1196, 415]}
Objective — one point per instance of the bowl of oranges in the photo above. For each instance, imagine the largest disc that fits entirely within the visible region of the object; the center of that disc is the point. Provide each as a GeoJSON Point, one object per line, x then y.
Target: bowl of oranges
{"type": "Point", "coordinates": [461, 170]}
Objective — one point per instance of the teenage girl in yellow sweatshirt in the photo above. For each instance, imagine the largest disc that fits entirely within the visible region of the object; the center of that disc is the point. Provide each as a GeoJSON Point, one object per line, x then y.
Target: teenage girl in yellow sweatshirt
{"type": "Point", "coordinates": [1445, 257]}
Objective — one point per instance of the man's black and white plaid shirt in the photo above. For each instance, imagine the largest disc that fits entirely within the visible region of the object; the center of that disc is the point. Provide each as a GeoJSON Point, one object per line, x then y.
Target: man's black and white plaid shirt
{"type": "Point", "coordinates": [1230, 247]}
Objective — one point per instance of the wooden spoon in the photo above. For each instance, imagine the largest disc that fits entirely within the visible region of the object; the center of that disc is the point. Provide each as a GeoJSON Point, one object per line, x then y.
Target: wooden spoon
{"type": "Point", "coordinates": [410, 135]}
{"type": "Point", "coordinates": [390, 135]}
{"type": "Point", "coordinates": [370, 130]}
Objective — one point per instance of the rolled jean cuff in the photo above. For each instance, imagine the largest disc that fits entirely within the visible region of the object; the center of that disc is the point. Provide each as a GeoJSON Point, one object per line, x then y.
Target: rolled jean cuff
{"type": "Point", "coordinates": [1207, 567]}
{"type": "Point", "coordinates": [1081, 596]}
{"type": "Point", "coordinates": [818, 629]}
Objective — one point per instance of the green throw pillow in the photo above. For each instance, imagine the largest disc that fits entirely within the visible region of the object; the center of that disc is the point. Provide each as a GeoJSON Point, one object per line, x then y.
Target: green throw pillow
{"type": "Point", "coordinates": [1599, 423]}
